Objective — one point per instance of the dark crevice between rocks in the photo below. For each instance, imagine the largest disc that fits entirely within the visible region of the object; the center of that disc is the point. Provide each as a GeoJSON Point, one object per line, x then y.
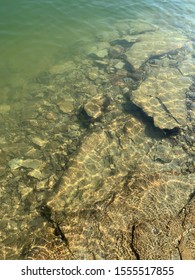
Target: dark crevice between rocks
{"type": "Point", "coordinates": [154, 57]}
{"type": "Point", "coordinates": [132, 243]}
{"type": "Point", "coordinates": [150, 129]}
{"type": "Point", "coordinates": [191, 197]}
{"type": "Point", "coordinates": [83, 119]}
{"type": "Point", "coordinates": [128, 66]}
{"type": "Point", "coordinates": [159, 56]}
{"type": "Point", "coordinates": [73, 148]}
{"type": "Point", "coordinates": [46, 212]}
{"type": "Point", "coordinates": [143, 32]}
{"type": "Point", "coordinates": [58, 232]}
{"type": "Point", "coordinates": [192, 89]}
{"type": "Point", "coordinates": [56, 185]}
{"type": "Point", "coordinates": [183, 209]}
{"type": "Point", "coordinates": [179, 251]}
{"type": "Point", "coordinates": [137, 76]}
{"type": "Point", "coordinates": [171, 132]}
{"type": "Point", "coordinates": [123, 43]}
{"type": "Point", "coordinates": [167, 110]}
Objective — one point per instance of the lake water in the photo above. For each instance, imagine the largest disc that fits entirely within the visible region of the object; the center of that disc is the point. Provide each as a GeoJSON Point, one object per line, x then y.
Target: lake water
{"type": "Point", "coordinates": [33, 34]}
{"type": "Point", "coordinates": [97, 113]}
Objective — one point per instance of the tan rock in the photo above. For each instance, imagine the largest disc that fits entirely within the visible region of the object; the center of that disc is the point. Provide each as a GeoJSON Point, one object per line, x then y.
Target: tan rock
{"type": "Point", "coordinates": [66, 106]}
{"type": "Point", "coordinates": [162, 96]}
{"type": "Point", "coordinates": [154, 43]}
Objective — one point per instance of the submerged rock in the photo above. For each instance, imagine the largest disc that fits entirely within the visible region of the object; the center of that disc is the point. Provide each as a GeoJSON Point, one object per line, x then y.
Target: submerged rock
{"type": "Point", "coordinates": [119, 65]}
{"type": "Point", "coordinates": [134, 27]}
{"type": "Point", "coordinates": [15, 163]}
{"type": "Point", "coordinates": [93, 74]}
{"type": "Point", "coordinates": [66, 106]}
{"type": "Point", "coordinates": [162, 96]}
{"type": "Point", "coordinates": [95, 107]}
{"type": "Point", "coordinates": [38, 141]}
{"type": "Point", "coordinates": [27, 163]}
{"type": "Point", "coordinates": [104, 181]}
{"type": "Point", "coordinates": [187, 67]}
{"type": "Point", "coordinates": [153, 44]}
{"type": "Point", "coordinates": [101, 63]}
{"type": "Point", "coordinates": [99, 52]}
{"type": "Point", "coordinates": [116, 52]}
{"type": "Point", "coordinates": [97, 204]}
{"type": "Point", "coordinates": [62, 68]}
{"type": "Point", "coordinates": [36, 173]}
{"type": "Point", "coordinates": [31, 163]}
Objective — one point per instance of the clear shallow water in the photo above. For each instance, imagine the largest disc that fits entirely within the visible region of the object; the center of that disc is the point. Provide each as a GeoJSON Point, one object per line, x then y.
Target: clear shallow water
{"type": "Point", "coordinates": [33, 34]}
{"type": "Point", "coordinates": [66, 116]}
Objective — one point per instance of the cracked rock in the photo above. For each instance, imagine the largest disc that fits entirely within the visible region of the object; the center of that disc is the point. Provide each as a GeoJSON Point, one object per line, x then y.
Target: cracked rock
{"type": "Point", "coordinates": [162, 96]}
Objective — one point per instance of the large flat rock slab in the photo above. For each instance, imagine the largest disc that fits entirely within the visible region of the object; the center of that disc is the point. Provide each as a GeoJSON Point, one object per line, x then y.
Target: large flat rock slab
{"type": "Point", "coordinates": [154, 43]}
{"type": "Point", "coordinates": [141, 220]}
{"type": "Point", "coordinates": [162, 96]}
{"type": "Point", "coordinates": [119, 187]}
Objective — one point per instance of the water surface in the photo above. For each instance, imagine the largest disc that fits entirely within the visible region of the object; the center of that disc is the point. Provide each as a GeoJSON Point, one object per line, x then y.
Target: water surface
{"type": "Point", "coordinates": [33, 34]}
{"type": "Point", "coordinates": [91, 97]}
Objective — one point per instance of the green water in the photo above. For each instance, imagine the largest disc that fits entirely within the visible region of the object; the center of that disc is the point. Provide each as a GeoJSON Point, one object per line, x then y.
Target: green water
{"type": "Point", "coordinates": [92, 98]}
{"type": "Point", "coordinates": [35, 34]}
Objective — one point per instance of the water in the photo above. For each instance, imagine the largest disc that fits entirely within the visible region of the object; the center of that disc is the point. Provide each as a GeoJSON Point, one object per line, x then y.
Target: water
{"type": "Point", "coordinates": [33, 33]}
{"type": "Point", "coordinates": [91, 97]}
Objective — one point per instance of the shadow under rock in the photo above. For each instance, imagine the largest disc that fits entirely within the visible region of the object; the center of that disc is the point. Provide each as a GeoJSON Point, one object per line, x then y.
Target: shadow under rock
{"type": "Point", "coordinates": [150, 129]}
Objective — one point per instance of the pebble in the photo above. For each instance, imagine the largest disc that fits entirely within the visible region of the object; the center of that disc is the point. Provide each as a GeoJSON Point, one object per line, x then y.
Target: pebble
{"type": "Point", "coordinates": [125, 90]}
{"type": "Point", "coordinates": [93, 110]}
{"type": "Point", "coordinates": [120, 65]}
{"type": "Point", "coordinates": [100, 54]}
{"type": "Point", "coordinates": [36, 173]}
{"type": "Point", "coordinates": [50, 116]}
{"type": "Point", "coordinates": [191, 95]}
{"type": "Point", "coordinates": [66, 106]}
{"type": "Point", "coordinates": [31, 163]}
{"type": "Point", "coordinates": [92, 76]}
{"type": "Point", "coordinates": [15, 163]}
{"type": "Point", "coordinates": [101, 63]}
{"type": "Point", "coordinates": [24, 190]}
{"type": "Point", "coordinates": [116, 51]}
{"type": "Point", "coordinates": [39, 142]}
{"type": "Point", "coordinates": [94, 107]}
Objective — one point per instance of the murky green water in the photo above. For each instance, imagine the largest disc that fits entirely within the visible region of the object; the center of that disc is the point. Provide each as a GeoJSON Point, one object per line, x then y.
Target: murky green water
{"type": "Point", "coordinates": [34, 34]}
{"type": "Point", "coordinates": [97, 128]}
